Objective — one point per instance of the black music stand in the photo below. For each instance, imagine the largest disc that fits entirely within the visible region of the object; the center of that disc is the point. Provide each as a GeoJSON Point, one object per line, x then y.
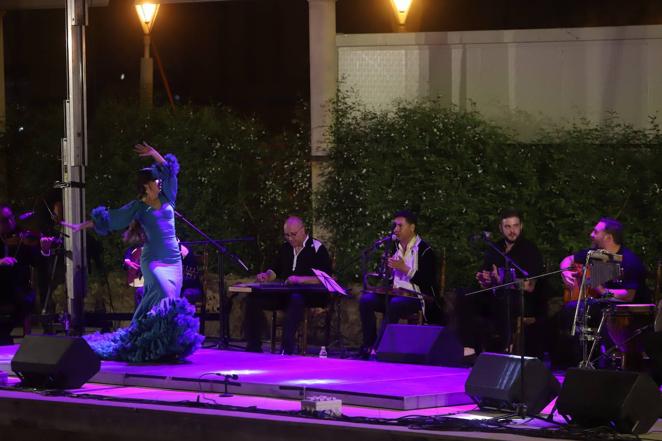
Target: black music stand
{"type": "Point", "coordinates": [335, 289]}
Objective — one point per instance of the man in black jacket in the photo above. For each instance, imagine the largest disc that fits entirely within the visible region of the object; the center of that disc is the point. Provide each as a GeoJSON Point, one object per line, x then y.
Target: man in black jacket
{"type": "Point", "coordinates": [504, 310]}
{"type": "Point", "coordinates": [414, 268]}
{"type": "Point", "coordinates": [296, 258]}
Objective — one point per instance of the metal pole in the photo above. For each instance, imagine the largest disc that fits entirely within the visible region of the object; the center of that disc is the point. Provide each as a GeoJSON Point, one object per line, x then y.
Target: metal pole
{"type": "Point", "coordinates": [323, 83]}
{"type": "Point", "coordinates": [4, 180]}
{"type": "Point", "coordinates": [74, 159]}
{"type": "Point", "coordinates": [146, 76]}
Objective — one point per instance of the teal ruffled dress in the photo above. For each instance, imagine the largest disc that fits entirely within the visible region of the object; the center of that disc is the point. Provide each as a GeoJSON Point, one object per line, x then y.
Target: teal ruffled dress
{"type": "Point", "coordinates": [163, 326]}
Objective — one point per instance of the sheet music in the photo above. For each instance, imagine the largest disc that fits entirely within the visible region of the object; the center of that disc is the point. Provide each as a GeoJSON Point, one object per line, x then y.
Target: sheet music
{"type": "Point", "coordinates": [329, 283]}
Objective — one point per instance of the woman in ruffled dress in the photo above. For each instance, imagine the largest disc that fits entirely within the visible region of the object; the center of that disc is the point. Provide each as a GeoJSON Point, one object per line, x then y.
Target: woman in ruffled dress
{"type": "Point", "coordinates": [163, 326]}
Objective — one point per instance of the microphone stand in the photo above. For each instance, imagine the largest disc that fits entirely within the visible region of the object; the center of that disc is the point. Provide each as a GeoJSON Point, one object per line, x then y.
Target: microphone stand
{"type": "Point", "coordinates": [508, 272]}
{"type": "Point", "coordinates": [520, 408]}
{"type": "Point", "coordinates": [384, 273]}
{"type": "Point", "coordinates": [223, 313]}
{"type": "Point", "coordinates": [49, 317]}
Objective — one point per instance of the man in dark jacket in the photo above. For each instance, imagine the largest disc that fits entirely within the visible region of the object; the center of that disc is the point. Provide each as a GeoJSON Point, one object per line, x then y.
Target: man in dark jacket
{"type": "Point", "coordinates": [414, 268]}
{"type": "Point", "coordinates": [294, 264]}
{"type": "Point", "coordinates": [504, 306]}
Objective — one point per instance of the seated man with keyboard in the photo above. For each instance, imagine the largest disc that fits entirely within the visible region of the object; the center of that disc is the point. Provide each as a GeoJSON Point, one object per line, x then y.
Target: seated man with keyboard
{"type": "Point", "coordinates": [294, 262]}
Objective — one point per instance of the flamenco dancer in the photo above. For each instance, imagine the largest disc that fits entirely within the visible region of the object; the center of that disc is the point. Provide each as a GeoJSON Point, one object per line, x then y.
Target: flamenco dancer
{"type": "Point", "coordinates": [163, 326]}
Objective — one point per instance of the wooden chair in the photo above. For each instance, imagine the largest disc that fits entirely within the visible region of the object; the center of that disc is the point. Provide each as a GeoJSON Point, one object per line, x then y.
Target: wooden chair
{"type": "Point", "coordinates": [200, 302]}
{"type": "Point", "coordinates": [302, 332]}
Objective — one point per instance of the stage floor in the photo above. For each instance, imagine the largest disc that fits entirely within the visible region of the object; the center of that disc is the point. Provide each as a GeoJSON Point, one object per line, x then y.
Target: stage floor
{"type": "Point", "coordinates": [356, 382]}
{"type": "Point", "coordinates": [181, 401]}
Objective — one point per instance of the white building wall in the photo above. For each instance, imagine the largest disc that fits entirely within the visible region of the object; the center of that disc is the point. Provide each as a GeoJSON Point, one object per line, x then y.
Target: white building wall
{"type": "Point", "coordinates": [549, 74]}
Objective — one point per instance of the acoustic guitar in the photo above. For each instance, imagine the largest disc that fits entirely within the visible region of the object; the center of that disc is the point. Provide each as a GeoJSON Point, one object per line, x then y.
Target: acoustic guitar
{"type": "Point", "coordinates": [572, 294]}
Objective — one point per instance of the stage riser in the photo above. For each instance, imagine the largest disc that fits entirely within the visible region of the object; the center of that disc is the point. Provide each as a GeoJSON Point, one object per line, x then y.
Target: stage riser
{"type": "Point", "coordinates": [373, 384]}
{"type": "Point", "coordinates": [24, 417]}
{"type": "Point", "coordinates": [288, 392]}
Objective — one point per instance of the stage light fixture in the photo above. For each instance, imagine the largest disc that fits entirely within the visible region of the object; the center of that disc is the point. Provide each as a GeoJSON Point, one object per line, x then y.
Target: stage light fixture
{"type": "Point", "coordinates": [401, 8]}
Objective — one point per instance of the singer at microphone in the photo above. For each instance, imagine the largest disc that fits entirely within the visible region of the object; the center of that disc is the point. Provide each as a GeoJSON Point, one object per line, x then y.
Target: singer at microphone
{"type": "Point", "coordinates": [413, 266]}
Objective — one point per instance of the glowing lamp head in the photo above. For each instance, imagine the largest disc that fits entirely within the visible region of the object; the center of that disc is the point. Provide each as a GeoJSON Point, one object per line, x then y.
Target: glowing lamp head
{"type": "Point", "coordinates": [401, 8]}
{"type": "Point", "coordinates": [147, 12]}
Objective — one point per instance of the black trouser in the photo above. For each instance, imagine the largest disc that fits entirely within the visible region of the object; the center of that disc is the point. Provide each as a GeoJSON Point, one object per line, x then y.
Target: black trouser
{"type": "Point", "coordinates": [488, 322]}
{"type": "Point", "coordinates": [569, 351]}
{"type": "Point", "coordinates": [293, 304]}
{"type": "Point", "coordinates": [398, 307]}
{"type": "Point", "coordinates": [14, 309]}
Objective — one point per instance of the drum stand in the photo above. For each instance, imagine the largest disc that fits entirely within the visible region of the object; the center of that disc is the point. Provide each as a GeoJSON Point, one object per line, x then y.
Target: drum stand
{"type": "Point", "coordinates": [602, 272]}
{"type": "Point", "coordinates": [586, 336]}
{"type": "Point", "coordinates": [613, 349]}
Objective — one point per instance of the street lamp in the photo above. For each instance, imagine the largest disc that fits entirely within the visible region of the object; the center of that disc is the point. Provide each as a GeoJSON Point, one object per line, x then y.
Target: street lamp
{"type": "Point", "coordinates": [147, 11]}
{"type": "Point", "coordinates": [401, 9]}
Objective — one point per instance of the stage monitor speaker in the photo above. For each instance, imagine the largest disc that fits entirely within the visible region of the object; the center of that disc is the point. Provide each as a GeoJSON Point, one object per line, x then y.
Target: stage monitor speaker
{"type": "Point", "coordinates": [50, 362]}
{"type": "Point", "coordinates": [420, 345]}
{"type": "Point", "coordinates": [495, 383]}
{"type": "Point", "coordinates": [629, 402]}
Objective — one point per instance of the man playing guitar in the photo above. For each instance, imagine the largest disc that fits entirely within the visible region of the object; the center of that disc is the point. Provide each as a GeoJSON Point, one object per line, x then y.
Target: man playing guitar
{"type": "Point", "coordinates": [607, 235]}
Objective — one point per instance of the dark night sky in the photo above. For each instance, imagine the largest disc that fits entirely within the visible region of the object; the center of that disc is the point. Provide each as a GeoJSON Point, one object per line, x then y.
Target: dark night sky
{"type": "Point", "coordinates": [253, 55]}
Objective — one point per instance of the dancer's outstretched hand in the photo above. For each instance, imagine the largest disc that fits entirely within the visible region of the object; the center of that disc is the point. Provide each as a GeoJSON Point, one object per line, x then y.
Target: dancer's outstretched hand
{"type": "Point", "coordinates": [144, 149]}
{"type": "Point", "coordinates": [78, 227]}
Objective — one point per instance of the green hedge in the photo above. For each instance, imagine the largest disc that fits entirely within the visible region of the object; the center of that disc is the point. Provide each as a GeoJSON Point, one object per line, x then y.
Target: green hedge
{"type": "Point", "coordinates": [454, 167]}
{"type": "Point", "coordinates": [237, 178]}
{"type": "Point", "coordinates": [458, 170]}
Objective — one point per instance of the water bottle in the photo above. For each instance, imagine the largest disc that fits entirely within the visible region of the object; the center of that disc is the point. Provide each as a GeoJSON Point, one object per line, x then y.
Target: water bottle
{"type": "Point", "coordinates": [323, 353]}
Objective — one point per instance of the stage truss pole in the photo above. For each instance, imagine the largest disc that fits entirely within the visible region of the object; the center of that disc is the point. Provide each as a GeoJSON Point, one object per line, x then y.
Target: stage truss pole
{"type": "Point", "coordinates": [74, 159]}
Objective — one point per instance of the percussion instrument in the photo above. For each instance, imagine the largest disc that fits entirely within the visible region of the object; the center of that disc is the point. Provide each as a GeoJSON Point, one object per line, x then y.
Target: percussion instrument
{"type": "Point", "coordinates": [626, 323]}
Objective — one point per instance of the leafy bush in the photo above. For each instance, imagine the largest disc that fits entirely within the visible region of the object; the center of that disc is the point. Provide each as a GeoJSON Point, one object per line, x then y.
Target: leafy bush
{"type": "Point", "coordinates": [237, 179]}
{"type": "Point", "coordinates": [457, 171]}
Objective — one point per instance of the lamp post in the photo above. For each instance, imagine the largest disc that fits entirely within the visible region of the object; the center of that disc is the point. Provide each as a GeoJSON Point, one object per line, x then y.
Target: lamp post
{"type": "Point", "coordinates": [401, 9]}
{"type": "Point", "coordinates": [147, 12]}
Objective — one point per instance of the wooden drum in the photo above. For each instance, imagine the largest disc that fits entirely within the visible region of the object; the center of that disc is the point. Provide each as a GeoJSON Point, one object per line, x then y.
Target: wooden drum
{"type": "Point", "coordinates": [627, 324]}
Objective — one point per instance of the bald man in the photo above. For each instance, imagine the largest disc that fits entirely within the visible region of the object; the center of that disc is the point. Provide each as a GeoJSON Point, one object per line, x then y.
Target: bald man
{"type": "Point", "coordinates": [296, 258]}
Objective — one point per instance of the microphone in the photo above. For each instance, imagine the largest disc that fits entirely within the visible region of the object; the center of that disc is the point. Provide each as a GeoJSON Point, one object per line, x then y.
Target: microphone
{"type": "Point", "coordinates": [26, 215]}
{"type": "Point", "coordinates": [384, 239]}
{"type": "Point", "coordinates": [605, 255]}
{"type": "Point", "coordinates": [482, 236]}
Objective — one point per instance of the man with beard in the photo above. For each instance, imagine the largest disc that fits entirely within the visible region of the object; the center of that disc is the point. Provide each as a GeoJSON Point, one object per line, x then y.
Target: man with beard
{"type": "Point", "coordinates": [414, 268]}
{"type": "Point", "coordinates": [607, 235]}
{"type": "Point", "coordinates": [504, 305]}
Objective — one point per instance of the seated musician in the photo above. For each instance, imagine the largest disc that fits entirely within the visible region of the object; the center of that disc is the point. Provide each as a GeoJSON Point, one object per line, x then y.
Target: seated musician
{"type": "Point", "coordinates": [607, 235]}
{"type": "Point", "coordinates": [19, 252]}
{"type": "Point", "coordinates": [293, 264]}
{"type": "Point", "coordinates": [496, 333]}
{"type": "Point", "coordinates": [135, 236]}
{"type": "Point", "coordinates": [191, 283]}
{"type": "Point", "coordinates": [414, 268]}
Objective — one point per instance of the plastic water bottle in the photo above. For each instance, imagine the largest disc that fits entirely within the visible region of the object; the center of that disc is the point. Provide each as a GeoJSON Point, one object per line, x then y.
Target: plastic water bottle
{"type": "Point", "coordinates": [323, 353]}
